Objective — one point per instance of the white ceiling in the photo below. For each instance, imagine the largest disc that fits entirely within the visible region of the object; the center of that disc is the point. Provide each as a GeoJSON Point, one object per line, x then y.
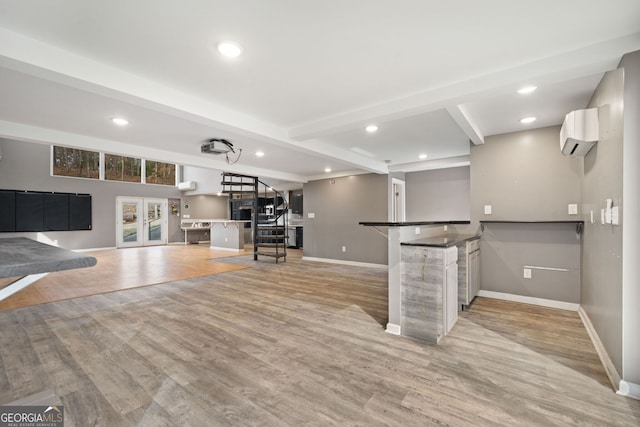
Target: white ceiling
{"type": "Point", "coordinates": [431, 74]}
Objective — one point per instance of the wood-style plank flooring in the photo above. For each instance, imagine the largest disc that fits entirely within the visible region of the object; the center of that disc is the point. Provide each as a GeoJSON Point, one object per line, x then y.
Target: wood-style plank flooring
{"type": "Point", "coordinates": [122, 269]}
{"type": "Point", "coordinates": [300, 343]}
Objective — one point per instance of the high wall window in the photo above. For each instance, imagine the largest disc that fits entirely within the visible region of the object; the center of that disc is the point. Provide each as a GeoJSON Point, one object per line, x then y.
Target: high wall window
{"type": "Point", "coordinates": [160, 173]}
{"type": "Point", "coordinates": [76, 163]}
{"type": "Point", "coordinates": [122, 168]}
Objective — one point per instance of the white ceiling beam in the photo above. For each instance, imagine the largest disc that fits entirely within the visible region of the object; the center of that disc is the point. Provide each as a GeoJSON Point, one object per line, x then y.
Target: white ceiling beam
{"type": "Point", "coordinates": [586, 61]}
{"type": "Point", "coordinates": [26, 55]}
{"type": "Point", "coordinates": [22, 132]}
{"type": "Point", "coordinates": [462, 117]}
{"type": "Point", "coordinates": [449, 162]}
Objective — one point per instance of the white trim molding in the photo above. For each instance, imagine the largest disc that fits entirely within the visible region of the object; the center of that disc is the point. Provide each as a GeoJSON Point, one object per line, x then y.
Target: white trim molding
{"type": "Point", "coordinates": [95, 249]}
{"type": "Point", "coordinates": [530, 300]}
{"type": "Point", "coordinates": [393, 329]}
{"type": "Point", "coordinates": [222, 248]}
{"type": "Point", "coordinates": [343, 262]}
{"type": "Point", "coordinates": [607, 363]}
{"type": "Point", "coordinates": [629, 389]}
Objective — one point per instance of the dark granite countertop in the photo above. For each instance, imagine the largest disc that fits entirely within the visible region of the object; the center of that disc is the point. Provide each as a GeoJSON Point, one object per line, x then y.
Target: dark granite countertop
{"type": "Point", "coordinates": [408, 224]}
{"type": "Point", "coordinates": [20, 256]}
{"type": "Point", "coordinates": [443, 241]}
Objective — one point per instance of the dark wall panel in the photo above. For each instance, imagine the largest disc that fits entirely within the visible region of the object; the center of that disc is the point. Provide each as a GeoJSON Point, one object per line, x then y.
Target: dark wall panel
{"type": "Point", "coordinates": [7, 210]}
{"type": "Point", "coordinates": [56, 212]}
{"type": "Point", "coordinates": [80, 212]}
{"type": "Point", "coordinates": [29, 211]}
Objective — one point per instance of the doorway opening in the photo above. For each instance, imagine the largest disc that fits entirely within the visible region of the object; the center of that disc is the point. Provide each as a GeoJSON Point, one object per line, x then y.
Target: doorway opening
{"type": "Point", "coordinates": [397, 201]}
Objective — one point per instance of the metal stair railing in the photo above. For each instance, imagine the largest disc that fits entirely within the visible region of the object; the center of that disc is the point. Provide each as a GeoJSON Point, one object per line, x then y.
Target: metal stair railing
{"type": "Point", "coordinates": [268, 228]}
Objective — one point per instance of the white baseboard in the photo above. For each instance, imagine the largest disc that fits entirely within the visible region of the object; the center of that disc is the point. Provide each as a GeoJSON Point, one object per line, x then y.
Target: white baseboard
{"type": "Point", "coordinates": [609, 368]}
{"type": "Point", "coordinates": [530, 300]}
{"type": "Point", "coordinates": [629, 389]}
{"type": "Point", "coordinates": [392, 328]}
{"type": "Point", "coordinates": [220, 248]}
{"type": "Point", "coordinates": [95, 249]}
{"type": "Point", "coordinates": [339, 261]}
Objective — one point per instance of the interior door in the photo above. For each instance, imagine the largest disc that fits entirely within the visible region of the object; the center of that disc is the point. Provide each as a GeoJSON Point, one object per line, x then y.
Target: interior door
{"type": "Point", "coordinates": [141, 221]}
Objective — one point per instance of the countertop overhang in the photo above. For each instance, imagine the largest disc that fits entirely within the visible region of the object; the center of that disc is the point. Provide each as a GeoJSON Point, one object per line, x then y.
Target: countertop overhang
{"type": "Point", "coordinates": [444, 241]}
{"type": "Point", "coordinates": [409, 223]}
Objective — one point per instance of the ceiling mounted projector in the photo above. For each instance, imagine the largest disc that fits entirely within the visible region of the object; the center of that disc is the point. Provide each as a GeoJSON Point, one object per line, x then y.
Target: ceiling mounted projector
{"type": "Point", "coordinates": [217, 146]}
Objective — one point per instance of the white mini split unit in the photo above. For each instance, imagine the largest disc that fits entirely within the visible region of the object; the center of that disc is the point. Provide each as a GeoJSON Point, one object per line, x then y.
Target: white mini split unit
{"type": "Point", "coordinates": [187, 186]}
{"type": "Point", "coordinates": [579, 132]}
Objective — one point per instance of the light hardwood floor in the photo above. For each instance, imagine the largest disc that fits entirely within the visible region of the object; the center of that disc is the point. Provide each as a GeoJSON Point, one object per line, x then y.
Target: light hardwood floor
{"type": "Point", "coordinates": [300, 343]}
{"type": "Point", "coordinates": [122, 269]}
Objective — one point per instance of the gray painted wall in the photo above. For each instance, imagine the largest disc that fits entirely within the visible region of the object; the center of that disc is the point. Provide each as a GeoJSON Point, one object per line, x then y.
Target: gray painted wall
{"type": "Point", "coordinates": [438, 195]}
{"type": "Point", "coordinates": [26, 166]}
{"type": "Point", "coordinates": [339, 204]}
{"type": "Point", "coordinates": [207, 180]}
{"type": "Point", "coordinates": [206, 207]}
{"type": "Point", "coordinates": [602, 247]}
{"type": "Point", "coordinates": [523, 176]}
{"type": "Point", "coordinates": [203, 207]}
{"type": "Point", "coordinates": [631, 211]}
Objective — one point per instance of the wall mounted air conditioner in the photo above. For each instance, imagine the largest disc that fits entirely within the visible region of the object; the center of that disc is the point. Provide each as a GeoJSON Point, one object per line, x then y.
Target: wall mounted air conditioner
{"type": "Point", "coordinates": [579, 132]}
{"type": "Point", "coordinates": [187, 186]}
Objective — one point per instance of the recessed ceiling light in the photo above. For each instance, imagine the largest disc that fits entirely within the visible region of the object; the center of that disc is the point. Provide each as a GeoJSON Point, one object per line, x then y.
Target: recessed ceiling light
{"type": "Point", "coordinates": [422, 156]}
{"type": "Point", "coordinates": [527, 90]}
{"type": "Point", "coordinates": [528, 120]}
{"type": "Point", "coordinates": [120, 121]}
{"type": "Point", "coordinates": [259, 153]}
{"type": "Point", "coordinates": [371, 128]}
{"type": "Point", "coordinates": [327, 170]}
{"type": "Point", "coordinates": [230, 49]}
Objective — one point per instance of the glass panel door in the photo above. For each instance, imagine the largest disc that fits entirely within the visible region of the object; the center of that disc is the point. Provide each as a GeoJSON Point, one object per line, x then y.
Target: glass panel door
{"type": "Point", "coordinates": [141, 222]}
{"type": "Point", "coordinates": [155, 225]}
{"type": "Point", "coordinates": [129, 217]}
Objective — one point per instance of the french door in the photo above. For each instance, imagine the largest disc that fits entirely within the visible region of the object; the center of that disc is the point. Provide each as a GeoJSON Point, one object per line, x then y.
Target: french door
{"type": "Point", "coordinates": [141, 221]}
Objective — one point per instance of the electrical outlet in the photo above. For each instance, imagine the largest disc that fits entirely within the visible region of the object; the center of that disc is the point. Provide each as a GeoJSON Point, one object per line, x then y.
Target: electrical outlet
{"type": "Point", "coordinates": [344, 249]}
{"type": "Point", "coordinates": [311, 215]}
{"type": "Point", "coordinates": [487, 209]}
{"type": "Point", "coordinates": [573, 209]}
{"type": "Point", "coordinates": [527, 273]}
{"type": "Point", "coordinates": [417, 230]}
{"type": "Point", "coordinates": [446, 228]}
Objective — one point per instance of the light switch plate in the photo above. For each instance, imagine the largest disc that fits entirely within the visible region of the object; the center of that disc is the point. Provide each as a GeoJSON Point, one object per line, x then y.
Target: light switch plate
{"type": "Point", "coordinates": [311, 215]}
{"type": "Point", "coordinates": [615, 215]}
{"type": "Point", "coordinates": [487, 209]}
{"type": "Point", "coordinates": [417, 230]}
{"type": "Point", "coordinates": [526, 273]}
{"type": "Point", "coordinates": [573, 209]}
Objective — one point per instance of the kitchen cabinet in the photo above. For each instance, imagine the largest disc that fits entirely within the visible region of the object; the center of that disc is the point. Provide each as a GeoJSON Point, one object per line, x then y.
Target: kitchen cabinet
{"type": "Point", "coordinates": [468, 271]}
{"type": "Point", "coordinates": [429, 290]}
{"type": "Point", "coordinates": [296, 202]}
